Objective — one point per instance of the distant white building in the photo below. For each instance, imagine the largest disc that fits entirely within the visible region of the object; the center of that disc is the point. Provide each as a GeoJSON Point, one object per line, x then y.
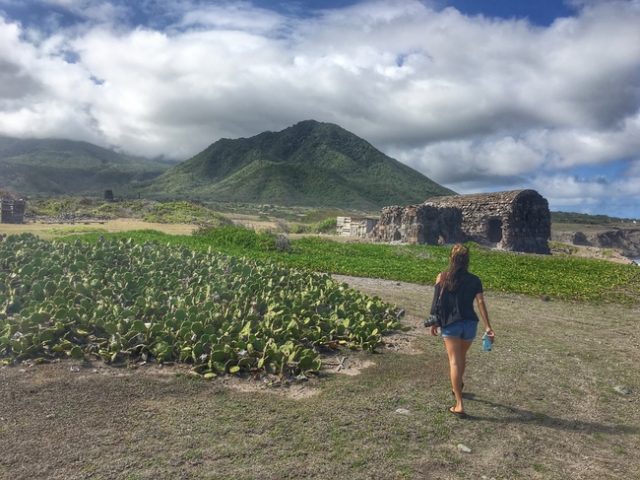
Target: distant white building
{"type": "Point", "coordinates": [355, 226]}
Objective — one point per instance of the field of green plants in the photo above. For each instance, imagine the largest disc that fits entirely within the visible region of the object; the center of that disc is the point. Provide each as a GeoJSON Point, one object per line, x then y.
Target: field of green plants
{"type": "Point", "coordinates": [129, 300]}
{"type": "Point", "coordinates": [229, 300]}
{"type": "Point", "coordinates": [561, 277]}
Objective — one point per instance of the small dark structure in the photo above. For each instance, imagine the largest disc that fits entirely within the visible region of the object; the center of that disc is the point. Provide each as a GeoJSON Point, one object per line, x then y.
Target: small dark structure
{"type": "Point", "coordinates": [517, 220]}
{"type": "Point", "coordinates": [108, 195]}
{"type": "Point", "coordinates": [11, 210]}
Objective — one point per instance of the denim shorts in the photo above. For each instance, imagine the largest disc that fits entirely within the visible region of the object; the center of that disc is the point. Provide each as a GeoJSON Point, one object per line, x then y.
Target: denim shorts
{"type": "Point", "coordinates": [464, 329]}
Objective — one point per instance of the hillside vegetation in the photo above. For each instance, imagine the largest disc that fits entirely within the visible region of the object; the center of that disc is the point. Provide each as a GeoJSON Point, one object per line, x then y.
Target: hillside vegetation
{"type": "Point", "coordinates": [310, 163]}
{"type": "Point", "coordinates": [54, 167]}
{"type": "Point", "coordinates": [85, 208]}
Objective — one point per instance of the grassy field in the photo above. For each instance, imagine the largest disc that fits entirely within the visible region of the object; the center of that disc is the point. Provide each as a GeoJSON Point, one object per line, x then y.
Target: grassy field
{"type": "Point", "coordinates": [557, 398]}
{"type": "Point", "coordinates": [542, 405]}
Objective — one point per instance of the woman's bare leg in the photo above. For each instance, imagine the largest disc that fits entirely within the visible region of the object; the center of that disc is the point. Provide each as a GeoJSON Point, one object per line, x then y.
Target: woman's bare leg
{"type": "Point", "coordinates": [457, 353]}
{"type": "Point", "coordinates": [465, 348]}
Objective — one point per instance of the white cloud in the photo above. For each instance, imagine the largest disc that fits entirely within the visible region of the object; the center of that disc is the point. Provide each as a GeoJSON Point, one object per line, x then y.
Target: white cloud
{"type": "Point", "coordinates": [460, 161]}
{"type": "Point", "coordinates": [582, 146]}
{"type": "Point", "coordinates": [571, 193]}
{"type": "Point", "coordinates": [466, 100]}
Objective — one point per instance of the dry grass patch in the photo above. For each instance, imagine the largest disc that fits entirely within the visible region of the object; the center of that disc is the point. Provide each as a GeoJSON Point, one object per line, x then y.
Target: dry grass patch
{"type": "Point", "coordinates": [49, 231]}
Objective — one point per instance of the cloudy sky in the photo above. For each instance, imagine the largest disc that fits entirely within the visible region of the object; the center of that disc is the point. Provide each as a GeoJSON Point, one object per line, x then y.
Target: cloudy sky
{"type": "Point", "coordinates": [479, 96]}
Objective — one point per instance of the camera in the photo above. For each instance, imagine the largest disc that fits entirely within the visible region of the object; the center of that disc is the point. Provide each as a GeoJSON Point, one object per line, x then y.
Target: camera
{"type": "Point", "coordinates": [431, 321]}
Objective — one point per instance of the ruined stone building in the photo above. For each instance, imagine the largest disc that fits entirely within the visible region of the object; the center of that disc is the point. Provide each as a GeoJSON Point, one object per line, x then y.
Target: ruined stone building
{"type": "Point", "coordinates": [422, 223]}
{"type": "Point", "coordinates": [11, 210]}
{"type": "Point", "coordinates": [517, 220]}
{"type": "Point", "coordinates": [355, 226]}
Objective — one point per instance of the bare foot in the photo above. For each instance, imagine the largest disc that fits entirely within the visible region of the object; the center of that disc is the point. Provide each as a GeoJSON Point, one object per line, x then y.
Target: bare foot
{"type": "Point", "coordinates": [457, 411]}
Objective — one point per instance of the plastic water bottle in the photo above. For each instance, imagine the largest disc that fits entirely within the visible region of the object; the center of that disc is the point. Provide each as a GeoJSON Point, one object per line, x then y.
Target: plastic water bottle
{"type": "Point", "coordinates": [486, 343]}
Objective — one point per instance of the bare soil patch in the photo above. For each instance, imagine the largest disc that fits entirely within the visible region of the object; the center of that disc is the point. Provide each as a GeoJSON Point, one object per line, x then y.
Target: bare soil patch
{"type": "Point", "coordinates": [53, 230]}
{"type": "Point", "coordinates": [542, 405]}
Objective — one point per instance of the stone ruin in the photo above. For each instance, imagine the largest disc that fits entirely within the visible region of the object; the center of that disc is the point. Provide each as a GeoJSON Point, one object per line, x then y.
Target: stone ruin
{"type": "Point", "coordinates": [355, 226]}
{"type": "Point", "coordinates": [11, 209]}
{"type": "Point", "coordinates": [517, 220]}
{"type": "Point", "coordinates": [419, 224]}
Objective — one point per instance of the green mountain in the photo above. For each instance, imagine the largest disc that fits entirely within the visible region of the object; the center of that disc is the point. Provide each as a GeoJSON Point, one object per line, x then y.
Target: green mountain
{"type": "Point", "coordinates": [53, 167]}
{"type": "Point", "coordinates": [308, 164]}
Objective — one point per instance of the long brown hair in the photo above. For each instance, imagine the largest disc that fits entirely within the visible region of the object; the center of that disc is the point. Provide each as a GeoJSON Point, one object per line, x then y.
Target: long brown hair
{"type": "Point", "coordinates": [458, 266]}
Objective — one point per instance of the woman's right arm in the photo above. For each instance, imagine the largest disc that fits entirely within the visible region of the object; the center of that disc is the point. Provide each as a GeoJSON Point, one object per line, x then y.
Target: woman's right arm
{"type": "Point", "coordinates": [485, 316]}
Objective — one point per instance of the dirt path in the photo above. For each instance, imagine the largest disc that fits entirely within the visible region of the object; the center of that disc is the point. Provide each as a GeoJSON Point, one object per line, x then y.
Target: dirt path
{"type": "Point", "coordinates": [562, 362]}
{"type": "Point", "coordinates": [542, 405]}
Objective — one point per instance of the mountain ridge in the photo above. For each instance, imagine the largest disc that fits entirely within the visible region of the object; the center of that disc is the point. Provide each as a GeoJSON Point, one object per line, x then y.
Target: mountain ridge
{"type": "Point", "coordinates": [308, 164]}
{"type": "Point", "coordinates": [54, 166]}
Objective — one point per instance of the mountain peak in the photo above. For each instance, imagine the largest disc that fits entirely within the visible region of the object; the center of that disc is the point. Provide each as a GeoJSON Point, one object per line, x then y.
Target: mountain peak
{"type": "Point", "coordinates": [305, 123]}
{"type": "Point", "coordinates": [306, 127]}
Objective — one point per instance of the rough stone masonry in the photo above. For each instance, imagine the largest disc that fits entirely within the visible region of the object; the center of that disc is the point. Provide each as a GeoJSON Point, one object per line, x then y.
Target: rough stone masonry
{"type": "Point", "coordinates": [11, 210]}
{"type": "Point", "coordinates": [516, 220]}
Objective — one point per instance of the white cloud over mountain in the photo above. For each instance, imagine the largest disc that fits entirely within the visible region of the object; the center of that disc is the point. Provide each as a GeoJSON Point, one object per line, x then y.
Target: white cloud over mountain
{"type": "Point", "coordinates": [472, 102]}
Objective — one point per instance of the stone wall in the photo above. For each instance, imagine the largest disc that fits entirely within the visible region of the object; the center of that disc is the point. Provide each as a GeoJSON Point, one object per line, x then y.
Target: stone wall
{"type": "Point", "coordinates": [419, 224]}
{"type": "Point", "coordinates": [529, 225]}
{"type": "Point", "coordinates": [12, 211]}
{"type": "Point", "coordinates": [355, 226]}
{"type": "Point", "coordinates": [517, 220]}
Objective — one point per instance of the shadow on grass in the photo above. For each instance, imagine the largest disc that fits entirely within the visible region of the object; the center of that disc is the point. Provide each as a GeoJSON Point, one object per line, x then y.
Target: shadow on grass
{"type": "Point", "coordinates": [519, 415]}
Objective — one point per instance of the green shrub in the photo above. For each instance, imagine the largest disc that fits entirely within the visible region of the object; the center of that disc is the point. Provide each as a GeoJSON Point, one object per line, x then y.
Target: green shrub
{"type": "Point", "coordinates": [184, 212]}
{"type": "Point", "coordinates": [238, 237]}
{"type": "Point", "coordinates": [283, 244]}
{"type": "Point", "coordinates": [328, 225]}
{"type": "Point", "coordinates": [298, 228]}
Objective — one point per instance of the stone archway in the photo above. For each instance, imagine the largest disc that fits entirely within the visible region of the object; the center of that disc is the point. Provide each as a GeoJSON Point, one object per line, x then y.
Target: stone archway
{"type": "Point", "coordinates": [494, 230]}
{"type": "Point", "coordinates": [397, 236]}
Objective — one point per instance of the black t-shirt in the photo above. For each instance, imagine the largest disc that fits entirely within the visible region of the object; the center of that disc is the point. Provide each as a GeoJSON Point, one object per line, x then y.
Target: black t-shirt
{"type": "Point", "coordinates": [458, 305]}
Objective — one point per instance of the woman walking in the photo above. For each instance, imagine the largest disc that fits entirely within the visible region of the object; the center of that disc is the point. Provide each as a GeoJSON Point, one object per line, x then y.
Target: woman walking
{"type": "Point", "coordinates": [455, 291]}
